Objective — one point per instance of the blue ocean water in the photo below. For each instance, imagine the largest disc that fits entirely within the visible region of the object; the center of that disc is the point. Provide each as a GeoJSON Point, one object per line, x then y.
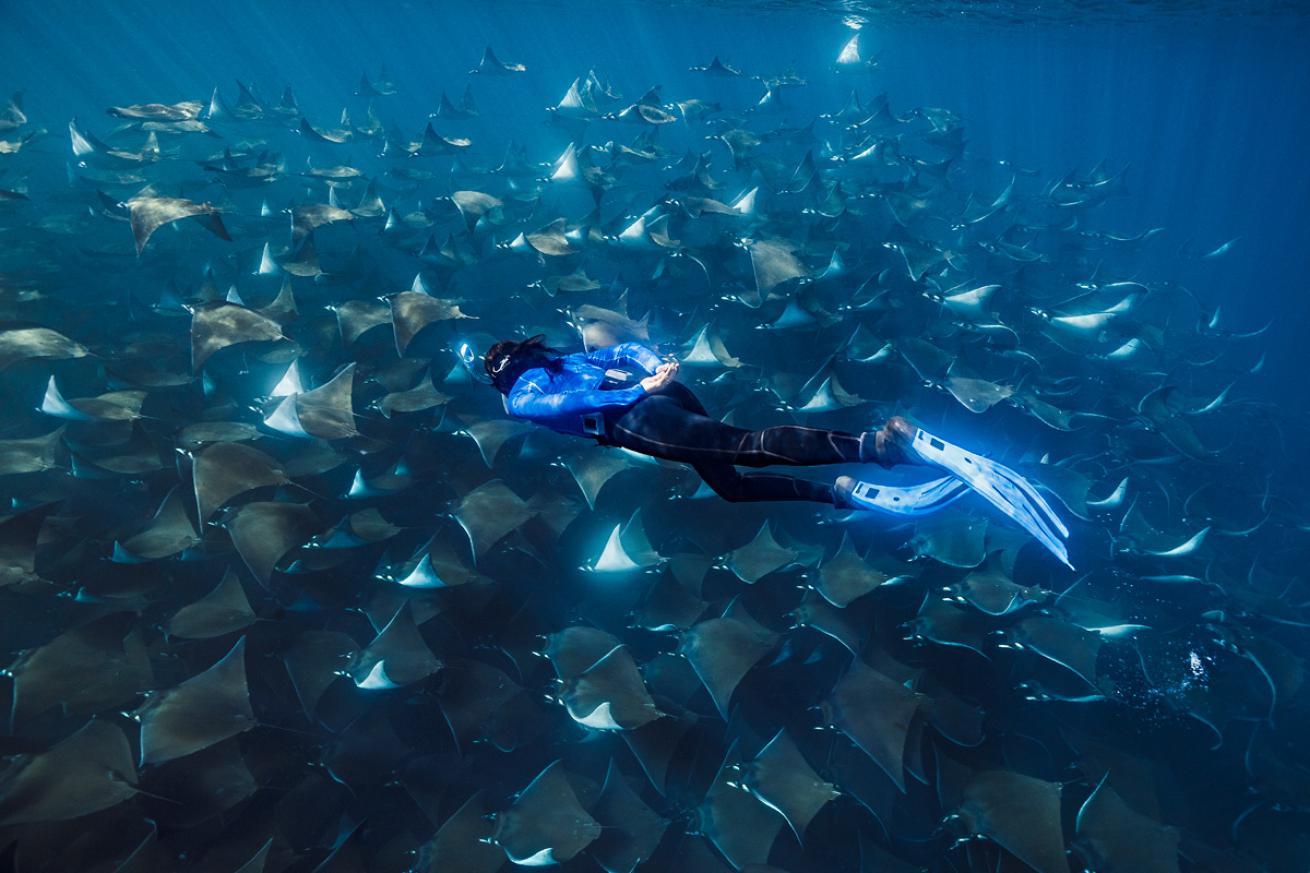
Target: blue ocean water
{"type": "Point", "coordinates": [1142, 713]}
{"type": "Point", "coordinates": [1207, 104]}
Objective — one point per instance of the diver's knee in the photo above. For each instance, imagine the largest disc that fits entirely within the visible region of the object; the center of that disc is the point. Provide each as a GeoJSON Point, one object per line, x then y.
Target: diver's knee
{"type": "Point", "coordinates": [751, 452]}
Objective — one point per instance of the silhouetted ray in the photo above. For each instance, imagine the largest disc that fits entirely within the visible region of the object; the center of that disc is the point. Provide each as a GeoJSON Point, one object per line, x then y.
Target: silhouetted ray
{"type": "Point", "coordinates": [303, 262]}
{"type": "Point", "coordinates": [19, 535]}
{"type": "Point", "coordinates": [1060, 641]}
{"type": "Point", "coordinates": [740, 827]}
{"type": "Point", "coordinates": [25, 343]}
{"type": "Point", "coordinates": [716, 68]}
{"type": "Point", "coordinates": [326, 413]}
{"type": "Point", "coordinates": [421, 398]}
{"type": "Point", "coordinates": [723, 650]}
{"type": "Point", "coordinates": [668, 605]}
{"type": "Point", "coordinates": [204, 710]}
{"type": "Point", "coordinates": [121, 837]}
{"type": "Point", "coordinates": [761, 556]}
{"type": "Point", "coordinates": [222, 611]}
{"type": "Point", "coordinates": [492, 434]}
{"type": "Point", "coordinates": [181, 111]}
{"type": "Point", "coordinates": [170, 531]}
{"type": "Point", "coordinates": [265, 532]}
{"type": "Point", "coordinates": [573, 650]}
{"type": "Point", "coordinates": [492, 65]}
{"type": "Point", "coordinates": [959, 722]}
{"type": "Point", "coordinates": [225, 470]}
{"type": "Point", "coordinates": [875, 712]}
{"type": "Point", "coordinates": [87, 669]}
{"type": "Point", "coordinates": [412, 311]}
{"type": "Point", "coordinates": [31, 455]}
{"type": "Point", "coordinates": [200, 786]}
{"type": "Point", "coordinates": [817, 613]}
{"type": "Point", "coordinates": [774, 264]}
{"type": "Point", "coordinates": [1019, 813]}
{"type": "Point", "coordinates": [218, 326]}
{"type": "Point", "coordinates": [476, 698]}
{"type": "Point", "coordinates": [307, 218]}
{"type": "Point", "coordinates": [461, 844]}
{"type": "Point", "coordinates": [85, 773]}
{"type": "Point", "coordinates": [951, 538]}
{"type": "Point", "coordinates": [315, 660]}
{"type": "Point", "coordinates": [397, 656]}
{"type": "Point", "coordinates": [655, 745]}
{"type": "Point", "coordinates": [367, 753]}
{"type": "Point", "coordinates": [783, 780]}
{"type": "Point", "coordinates": [356, 317]}
{"type": "Point", "coordinates": [991, 591]}
{"type": "Point", "coordinates": [1112, 835]}
{"type": "Point", "coordinates": [546, 824]}
{"type": "Point", "coordinates": [610, 694]}
{"type": "Point", "coordinates": [847, 576]}
{"type": "Point", "coordinates": [196, 436]}
{"type": "Point", "coordinates": [111, 406]}
{"type": "Point", "coordinates": [488, 513]}
{"type": "Point", "coordinates": [632, 830]}
{"type": "Point", "coordinates": [1165, 409]}
{"type": "Point", "coordinates": [946, 625]}
{"type": "Point", "coordinates": [434, 143]}
{"type": "Point", "coordinates": [151, 213]}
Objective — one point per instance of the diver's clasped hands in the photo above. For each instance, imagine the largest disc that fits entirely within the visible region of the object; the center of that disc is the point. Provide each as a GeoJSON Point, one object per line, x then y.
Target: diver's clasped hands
{"type": "Point", "coordinates": [663, 375]}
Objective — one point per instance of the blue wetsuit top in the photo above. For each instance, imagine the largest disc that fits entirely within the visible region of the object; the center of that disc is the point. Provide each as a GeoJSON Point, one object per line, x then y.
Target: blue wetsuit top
{"type": "Point", "coordinates": [560, 400]}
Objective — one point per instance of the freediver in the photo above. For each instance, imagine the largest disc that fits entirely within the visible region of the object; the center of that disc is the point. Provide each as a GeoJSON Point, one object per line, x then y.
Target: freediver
{"type": "Point", "coordinates": [599, 394]}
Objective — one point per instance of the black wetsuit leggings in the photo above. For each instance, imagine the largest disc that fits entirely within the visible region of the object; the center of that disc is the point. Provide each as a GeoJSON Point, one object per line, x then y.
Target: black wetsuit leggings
{"type": "Point", "coordinates": [671, 423]}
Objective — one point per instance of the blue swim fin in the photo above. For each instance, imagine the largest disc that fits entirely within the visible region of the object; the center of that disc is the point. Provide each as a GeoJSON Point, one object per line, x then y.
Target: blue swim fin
{"type": "Point", "coordinates": [1000, 486]}
{"type": "Point", "coordinates": [909, 500]}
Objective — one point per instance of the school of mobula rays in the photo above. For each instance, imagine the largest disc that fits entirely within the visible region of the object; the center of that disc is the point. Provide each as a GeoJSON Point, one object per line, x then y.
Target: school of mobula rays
{"type": "Point", "coordinates": [285, 590]}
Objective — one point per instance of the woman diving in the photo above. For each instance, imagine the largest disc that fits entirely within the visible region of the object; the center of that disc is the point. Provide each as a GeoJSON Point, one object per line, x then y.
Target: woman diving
{"type": "Point", "coordinates": [593, 394]}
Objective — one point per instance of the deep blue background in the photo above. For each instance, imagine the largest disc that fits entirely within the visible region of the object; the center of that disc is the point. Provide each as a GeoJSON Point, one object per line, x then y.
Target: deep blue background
{"type": "Point", "coordinates": [1211, 112]}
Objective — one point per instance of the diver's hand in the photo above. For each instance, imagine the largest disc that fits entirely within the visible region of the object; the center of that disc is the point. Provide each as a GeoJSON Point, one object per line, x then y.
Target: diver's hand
{"type": "Point", "coordinates": [664, 374]}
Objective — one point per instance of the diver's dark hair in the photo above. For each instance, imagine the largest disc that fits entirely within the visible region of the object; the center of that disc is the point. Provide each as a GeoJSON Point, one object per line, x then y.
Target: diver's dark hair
{"type": "Point", "coordinates": [505, 361]}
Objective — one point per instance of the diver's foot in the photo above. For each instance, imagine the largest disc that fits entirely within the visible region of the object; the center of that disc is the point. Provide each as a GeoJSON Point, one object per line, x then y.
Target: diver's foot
{"type": "Point", "coordinates": [890, 446]}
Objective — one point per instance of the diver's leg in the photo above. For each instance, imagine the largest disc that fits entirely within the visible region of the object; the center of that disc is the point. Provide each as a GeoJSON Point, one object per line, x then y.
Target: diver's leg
{"type": "Point", "coordinates": [685, 397]}
{"type": "Point", "coordinates": [671, 424]}
{"type": "Point", "coordinates": [662, 425]}
{"type": "Point", "coordinates": [743, 488]}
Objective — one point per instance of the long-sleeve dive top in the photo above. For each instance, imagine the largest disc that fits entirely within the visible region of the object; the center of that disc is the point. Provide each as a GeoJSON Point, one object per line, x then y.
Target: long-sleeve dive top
{"type": "Point", "coordinates": [559, 401]}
